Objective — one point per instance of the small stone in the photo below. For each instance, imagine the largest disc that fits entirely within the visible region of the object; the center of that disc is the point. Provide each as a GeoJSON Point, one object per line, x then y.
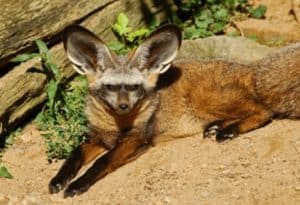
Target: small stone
{"type": "Point", "coordinates": [225, 172]}
{"type": "Point", "coordinates": [236, 196]}
{"type": "Point", "coordinates": [245, 163]}
{"type": "Point", "coordinates": [204, 165]}
{"type": "Point", "coordinates": [205, 194]}
{"type": "Point", "coordinates": [167, 200]}
{"type": "Point", "coordinates": [221, 167]}
{"type": "Point", "coordinates": [297, 188]}
{"type": "Point", "coordinates": [228, 173]}
{"type": "Point", "coordinates": [236, 183]}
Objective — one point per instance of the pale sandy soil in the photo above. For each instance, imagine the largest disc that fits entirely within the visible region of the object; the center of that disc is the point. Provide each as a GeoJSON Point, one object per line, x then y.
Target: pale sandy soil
{"type": "Point", "coordinates": [261, 167]}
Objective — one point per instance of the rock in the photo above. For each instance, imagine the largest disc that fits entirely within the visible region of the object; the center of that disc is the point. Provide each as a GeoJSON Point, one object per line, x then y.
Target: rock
{"type": "Point", "coordinates": [237, 49]}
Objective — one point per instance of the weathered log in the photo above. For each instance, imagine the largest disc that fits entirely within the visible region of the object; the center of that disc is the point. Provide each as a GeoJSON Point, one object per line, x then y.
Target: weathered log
{"type": "Point", "coordinates": [21, 22]}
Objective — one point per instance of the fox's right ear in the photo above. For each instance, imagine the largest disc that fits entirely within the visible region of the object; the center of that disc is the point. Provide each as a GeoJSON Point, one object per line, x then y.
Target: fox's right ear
{"type": "Point", "coordinates": [155, 55]}
{"type": "Point", "coordinates": [86, 51]}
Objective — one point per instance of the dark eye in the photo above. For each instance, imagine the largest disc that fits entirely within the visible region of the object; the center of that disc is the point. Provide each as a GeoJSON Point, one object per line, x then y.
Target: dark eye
{"type": "Point", "coordinates": [111, 87]}
{"type": "Point", "coordinates": [133, 87]}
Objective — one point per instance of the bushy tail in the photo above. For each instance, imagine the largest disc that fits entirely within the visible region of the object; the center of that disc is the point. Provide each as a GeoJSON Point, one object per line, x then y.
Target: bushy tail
{"type": "Point", "coordinates": [278, 81]}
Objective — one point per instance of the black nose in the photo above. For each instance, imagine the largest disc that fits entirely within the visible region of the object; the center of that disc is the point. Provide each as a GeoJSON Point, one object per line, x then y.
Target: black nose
{"type": "Point", "coordinates": [123, 106]}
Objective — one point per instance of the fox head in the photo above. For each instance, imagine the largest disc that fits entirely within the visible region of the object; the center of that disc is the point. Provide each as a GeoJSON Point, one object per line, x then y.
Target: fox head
{"type": "Point", "coordinates": [121, 82]}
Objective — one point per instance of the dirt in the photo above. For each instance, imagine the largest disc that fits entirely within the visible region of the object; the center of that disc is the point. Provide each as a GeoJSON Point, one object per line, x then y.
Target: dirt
{"type": "Point", "coordinates": [260, 167]}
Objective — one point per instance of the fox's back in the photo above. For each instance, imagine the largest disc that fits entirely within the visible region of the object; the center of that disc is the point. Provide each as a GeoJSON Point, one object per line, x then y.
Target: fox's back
{"type": "Point", "coordinates": [204, 91]}
{"type": "Point", "coordinates": [213, 90]}
{"type": "Point", "coordinates": [278, 81]}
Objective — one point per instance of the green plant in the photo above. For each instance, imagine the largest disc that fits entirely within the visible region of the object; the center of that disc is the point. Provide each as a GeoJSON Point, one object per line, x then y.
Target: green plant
{"type": "Point", "coordinates": [8, 141]}
{"type": "Point", "coordinates": [66, 129]}
{"type": "Point", "coordinates": [276, 42]}
{"type": "Point", "coordinates": [50, 68]}
{"type": "Point", "coordinates": [198, 19]}
{"type": "Point", "coordinates": [257, 12]}
{"type": "Point", "coordinates": [4, 173]}
{"type": "Point", "coordinates": [127, 37]}
{"type": "Point", "coordinates": [252, 37]}
{"type": "Point", "coordinates": [202, 18]}
{"type": "Point", "coordinates": [62, 120]}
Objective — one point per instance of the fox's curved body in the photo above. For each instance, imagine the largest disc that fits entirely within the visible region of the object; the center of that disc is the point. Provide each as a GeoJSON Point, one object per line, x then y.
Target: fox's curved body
{"type": "Point", "coordinates": [137, 98]}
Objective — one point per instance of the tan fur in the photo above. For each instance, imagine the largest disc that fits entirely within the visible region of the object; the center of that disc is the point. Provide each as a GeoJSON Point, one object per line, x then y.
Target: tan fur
{"type": "Point", "coordinates": [220, 90]}
{"type": "Point", "coordinates": [213, 96]}
{"type": "Point", "coordinates": [206, 91]}
{"type": "Point", "coordinates": [277, 81]}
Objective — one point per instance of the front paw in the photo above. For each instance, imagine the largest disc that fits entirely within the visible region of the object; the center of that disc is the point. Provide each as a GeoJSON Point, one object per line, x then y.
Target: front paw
{"type": "Point", "coordinates": [76, 188]}
{"type": "Point", "coordinates": [227, 133]}
{"type": "Point", "coordinates": [212, 129]}
{"type": "Point", "coordinates": [216, 129]}
{"type": "Point", "coordinates": [57, 184]}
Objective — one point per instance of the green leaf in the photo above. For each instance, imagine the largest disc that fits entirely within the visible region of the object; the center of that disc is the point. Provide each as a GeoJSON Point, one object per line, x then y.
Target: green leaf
{"type": "Point", "coordinates": [121, 25]}
{"type": "Point", "coordinates": [118, 29]}
{"type": "Point", "coordinates": [25, 57]}
{"type": "Point", "coordinates": [5, 173]}
{"type": "Point", "coordinates": [212, 1]}
{"type": "Point", "coordinates": [137, 34]}
{"type": "Point", "coordinates": [189, 5]}
{"type": "Point", "coordinates": [192, 32]}
{"type": "Point", "coordinates": [122, 20]}
{"type": "Point", "coordinates": [204, 14]}
{"type": "Point", "coordinates": [258, 12]}
{"type": "Point", "coordinates": [54, 70]}
{"type": "Point", "coordinates": [230, 3]}
{"type": "Point", "coordinates": [44, 51]}
{"type": "Point", "coordinates": [222, 15]}
{"type": "Point", "coordinates": [51, 92]}
{"type": "Point", "coordinates": [218, 27]}
{"type": "Point", "coordinates": [80, 82]}
{"type": "Point", "coordinates": [203, 23]}
{"type": "Point", "coordinates": [242, 1]}
{"type": "Point", "coordinates": [116, 46]}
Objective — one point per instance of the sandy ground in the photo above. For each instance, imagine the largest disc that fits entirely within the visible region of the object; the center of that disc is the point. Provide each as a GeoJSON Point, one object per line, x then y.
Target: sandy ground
{"type": "Point", "coordinates": [260, 167]}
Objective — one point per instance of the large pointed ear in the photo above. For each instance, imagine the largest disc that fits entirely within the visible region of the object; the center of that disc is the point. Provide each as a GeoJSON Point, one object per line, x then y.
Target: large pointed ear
{"type": "Point", "coordinates": [158, 50]}
{"type": "Point", "coordinates": [86, 51]}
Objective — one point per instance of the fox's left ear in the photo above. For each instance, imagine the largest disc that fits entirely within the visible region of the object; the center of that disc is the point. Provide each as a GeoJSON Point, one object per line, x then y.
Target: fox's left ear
{"type": "Point", "coordinates": [158, 50]}
{"type": "Point", "coordinates": [86, 51]}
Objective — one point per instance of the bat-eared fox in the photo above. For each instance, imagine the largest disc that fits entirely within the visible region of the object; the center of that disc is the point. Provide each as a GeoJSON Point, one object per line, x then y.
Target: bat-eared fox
{"type": "Point", "coordinates": [135, 98]}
